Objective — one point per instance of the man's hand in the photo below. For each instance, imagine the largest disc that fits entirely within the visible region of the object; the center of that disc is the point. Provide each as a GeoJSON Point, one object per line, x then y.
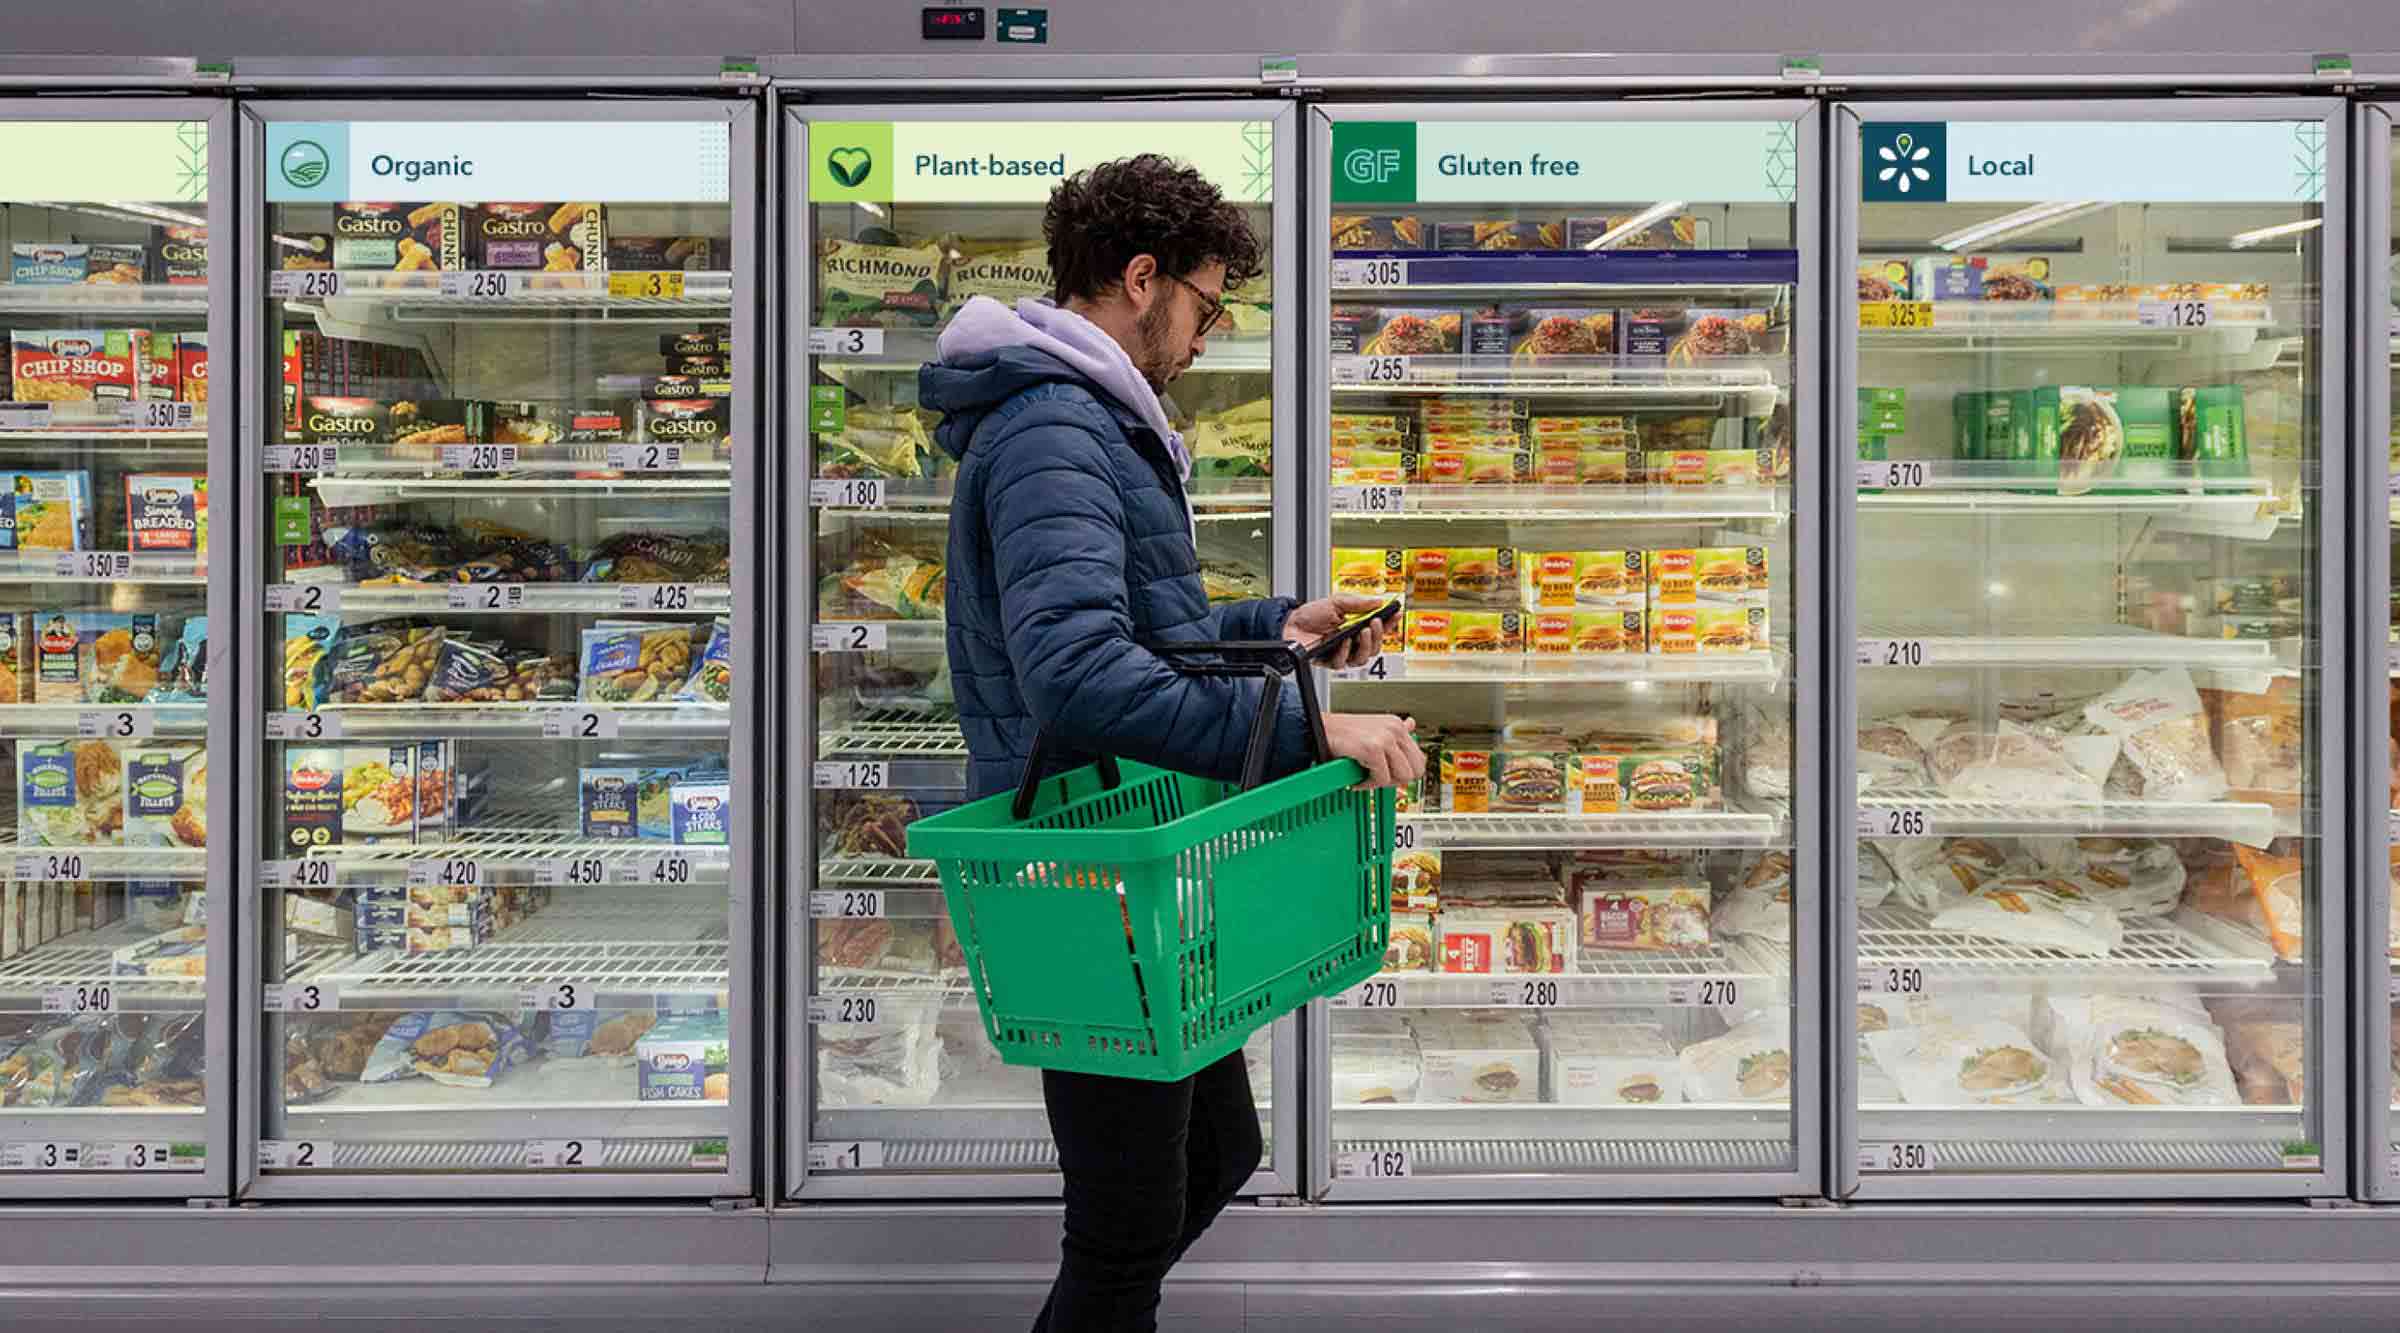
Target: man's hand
{"type": "Point", "coordinates": [1311, 621]}
{"type": "Point", "coordinates": [1384, 745]}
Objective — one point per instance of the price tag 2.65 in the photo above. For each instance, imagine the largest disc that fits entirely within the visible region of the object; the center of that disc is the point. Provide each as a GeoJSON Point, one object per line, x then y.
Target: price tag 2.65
{"type": "Point", "coordinates": [1894, 821]}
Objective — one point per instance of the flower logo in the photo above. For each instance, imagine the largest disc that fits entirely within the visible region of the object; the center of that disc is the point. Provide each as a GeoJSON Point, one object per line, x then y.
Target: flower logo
{"type": "Point", "coordinates": [1905, 155]}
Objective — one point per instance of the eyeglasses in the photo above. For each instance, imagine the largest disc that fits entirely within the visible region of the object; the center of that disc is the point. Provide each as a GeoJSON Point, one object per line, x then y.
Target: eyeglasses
{"type": "Point", "coordinates": [1211, 309]}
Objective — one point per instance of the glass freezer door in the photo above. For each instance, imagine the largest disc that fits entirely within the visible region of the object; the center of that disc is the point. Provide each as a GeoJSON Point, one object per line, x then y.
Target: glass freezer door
{"type": "Point", "coordinates": [2094, 912]}
{"type": "Point", "coordinates": [2377, 800]}
{"type": "Point", "coordinates": [898, 218]}
{"type": "Point", "coordinates": [113, 981]}
{"type": "Point", "coordinates": [1559, 411]}
{"type": "Point", "coordinates": [501, 607]}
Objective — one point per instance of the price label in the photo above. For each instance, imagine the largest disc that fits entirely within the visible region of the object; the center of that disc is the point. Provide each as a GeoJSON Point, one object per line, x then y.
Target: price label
{"type": "Point", "coordinates": [50, 865]}
{"type": "Point", "coordinates": [305, 874]}
{"type": "Point", "coordinates": [1893, 653]}
{"type": "Point", "coordinates": [2302, 1156]}
{"type": "Point", "coordinates": [1526, 993]}
{"type": "Point", "coordinates": [153, 415]}
{"type": "Point", "coordinates": [479, 457]}
{"type": "Point", "coordinates": [23, 1156]}
{"type": "Point", "coordinates": [1891, 980]}
{"type": "Point", "coordinates": [1385, 1164]}
{"type": "Point", "coordinates": [479, 285]}
{"type": "Point", "coordinates": [94, 564]}
{"type": "Point", "coordinates": [580, 870]}
{"type": "Point", "coordinates": [841, 1009]}
{"type": "Point", "coordinates": [24, 416]}
{"type": "Point", "coordinates": [558, 995]}
{"type": "Point", "coordinates": [122, 724]}
{"type": "Point", "coordinates": [853, 493]}
{"type": "Point", "coordinates": [1367, 499]}
{"type": "Point", "coordinates": [564, 1154]}
{"type": "Point", "coordinates": [294, 1154]}
{"type": "Point", "coordinates": [1404, 838]}
{"type": "Point", "coordinates": [1894, 821]}
{"type": "Point", "coordinates": [856, 1155]}
{"type": "Point", "coordinates": [1371, 369]}
{"type": "Point", "coordinates": [1370, 273]}
{"type": "Point", "coordinates": [301, 457]}
{"type": "Point", "coordinates": [1902, 474]}
{"type": "Point", "coordinates": [654, 285]}
{"type": "Point", "coordinates": [1895, 314]}
{"type": "Point", "coordinates": [299, 997]}
{"type": "Point", "coordinates": [853, 775]}
{"type": "Point", "coordinates": [450, 870]}
{"type": "Point", "coordinates": [581, 724]}
{"type": "Point", "coordinates": [159, 1156]}
{"type": "Point", "coordinates": [836, 637]}
{"type": "Point", "coordinates": [1382, 666]}
{"type": "Point", "coordinates": [670, 869]}
{"type": "Point", "coordinates": [655, 597]}
{"type": "Point", "coordinates": [845, 342]}
{"type": "Point", "coordinates": [304, 598]}
{"type": "Point", "coordinates": [1894, 1157]}
{"type": "Point", "coordinates": [645, 457]}
{"type": "Point", "coordinates": [96, 997]}
{"type": "Point", "coordinates": [485, 596]}
{"type": "Point", "coordinates": [831, 903]}
{"type": "Point", "coordinates": [304, 726]}
{"type": "Point", "coordinates": [305, 285]}
{"type": "Point", "coordinates": [1369, 995]}
{"type": "Point", "coordinates": [2171, 314]}
{"type": "Point", "coordinates": [1705, 992]}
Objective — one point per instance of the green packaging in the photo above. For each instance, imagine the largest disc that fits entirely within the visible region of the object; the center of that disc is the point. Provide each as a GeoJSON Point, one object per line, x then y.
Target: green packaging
{"type": "Point", "coordinates": [2147, 416]}
{"type": "Point", "coordinates": [2210, 429]}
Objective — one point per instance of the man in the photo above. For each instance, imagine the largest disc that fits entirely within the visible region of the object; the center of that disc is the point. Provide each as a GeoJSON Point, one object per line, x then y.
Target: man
{"type": "Point", "coordinates": [1071, 547]}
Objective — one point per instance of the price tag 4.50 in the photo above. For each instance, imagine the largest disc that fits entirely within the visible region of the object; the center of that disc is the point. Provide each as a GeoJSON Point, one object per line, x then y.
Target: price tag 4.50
{"type": "Point", "coordinates": [852, 775]}
{"type": "Point", "coordinates": [845, 342]}
{"type": "Point", "coordinates": [669, 869]}
{"type": "Point", "coordinates": [857, 1155]}
{"type": "Point", "coordinates": [832, 903]}
{"type": "Point", "coordinates": [122, 724]}
{"type": "Point", "coordinates": [581, 724]}
{"type": "Point", "coordinates": [578, 870]}
{"type": "Point", "coordinates": [1384, 1164]}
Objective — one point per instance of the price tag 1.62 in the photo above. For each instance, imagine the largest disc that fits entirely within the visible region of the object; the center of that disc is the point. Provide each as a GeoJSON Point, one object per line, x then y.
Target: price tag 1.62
{"type": "Point", "coordinates": [1387, 1164]}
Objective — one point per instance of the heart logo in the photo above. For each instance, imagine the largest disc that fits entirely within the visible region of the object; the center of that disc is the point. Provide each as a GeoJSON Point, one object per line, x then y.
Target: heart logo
{"type": "Point", "coordinates": [850, 166]}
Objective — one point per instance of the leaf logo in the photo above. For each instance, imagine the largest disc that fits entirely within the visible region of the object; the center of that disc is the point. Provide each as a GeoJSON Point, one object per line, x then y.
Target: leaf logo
{"type": "Point", "coordinates": [850, 166]}
{"type": "Point", "coordinates": [304, 164]}
{"type": "Point", "coordinates": [1904, 155]}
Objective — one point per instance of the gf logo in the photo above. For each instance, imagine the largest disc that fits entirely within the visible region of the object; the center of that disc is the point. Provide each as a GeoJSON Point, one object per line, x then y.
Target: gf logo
{"type": "Point", "coordinates": [1371, 166]}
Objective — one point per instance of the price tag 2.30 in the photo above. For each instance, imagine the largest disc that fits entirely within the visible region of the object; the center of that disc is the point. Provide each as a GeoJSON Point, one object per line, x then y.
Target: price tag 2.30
{"type": "Point", "coordinates": [835, 903]}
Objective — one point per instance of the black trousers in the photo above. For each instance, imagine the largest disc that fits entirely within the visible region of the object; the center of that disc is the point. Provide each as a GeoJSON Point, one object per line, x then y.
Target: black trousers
{"type": "Point", "coordinates": [1148, 1166]}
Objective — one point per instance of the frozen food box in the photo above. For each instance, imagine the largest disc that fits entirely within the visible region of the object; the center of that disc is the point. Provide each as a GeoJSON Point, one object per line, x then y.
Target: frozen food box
{"type": "Point", "coordinates": [57, 657]}
{"type": "Point", "coordinates": [1507, 940]}
{"type": "Point", "coordinates": [683, 1058]}
{"type": "Point", "coordinates": [155, 904]}
{"type": "Point", "coordinates": [1707, 629]}
{"type": "Point", "coordinates": [115, 264]}
{"type": "Point", "coordinates": [1886, 280]}
{"type": "Point", "coordinates": [1499, 466]}
{"type": "Point", "coordinates": [552, 237]}
{"type": "Point", "coordinates": [1370, 571]}
{"type": "Point", "coordinates": [50, 511]}
{"type": "Point", "coordinates": [1462, 575]}
{"type": "Point", "coordinates": [17, 650]}
{"type": "Point", "coordinates": [1007, 272]}
{"type": "Point", "coordinates": [634, 662]}
{"type": "Point", "coordinates": [71, 367]}
{"type": "Point", "coordinates": [48, 264]}
{"type": "Point", "coordinates": [1642, 914]}
{"type": "Point", "coordinates": [1417, 879]}
{"type": "Point", "coordinates": [1409, 947]}
{"type": "Point", "coordinates": [1529, 782]}
{"type": "Point", "coordinates": [158, 370]}
{"type": "Point", "coordinates": [609, 801]}
{"type": "Point", "coordinates": [179, 255]}
{"type": "Point", "coordinates": [166, 796]}
{"type": "Point", "coordinates": [1983, 278]}
{"type": "Point", "coordinates": [894, 284]}
{"type": "Point", "coordinates": [1373, 1069]}
{"type": "Point", "coordinates": [1498, 234]}
{"type": "Point", "coordinates": [1613, 1064]}
{"type": "Point", "coordinates": [701, 812]}
{"type": "Point", "coordinates": [1718, 575]}
{"type": "Point", "coordinates": [312, 797]}
{"type": "Point", "coordinates": [1709, 467]}
{"type": "Point", "coordinates": [1610, 580]}
{"type": "Point", "coordinates": [162, 511]}
{"type": "Point", "coordinates": [1377, 231]}
{"type": "Point", "coordinates": [691, 422]}
{"type": "Point", "coordinates": [2210, 429]}
{"type": "Point", "coordinates": [656, 253]}
{"type": "Point", "coordinates": [399, 237]}
{"type": "Point", "coordinates": [1681, 231]}
{"type": "Point", "coordinates": [179, 951]}
{"type": "Point", "coordinates": [1466, 773]}
{"type": "Point", "coordinates": [1397, 330]}
{"type": "Point", "coordinates": [1478, 1055]}
{"type": "Point", "coordinates": [1544, 333]}
{"type": "Point", "coordinates": [336, 420]}
{"type": "Point", "coordinates": [1657, 782]}
{"type": "Point", "coordinates": [70, 794]}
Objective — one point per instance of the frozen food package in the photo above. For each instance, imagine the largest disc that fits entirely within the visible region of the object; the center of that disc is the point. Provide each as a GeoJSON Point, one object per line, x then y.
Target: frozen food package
{"type": "Point", "coordinates": [2280, 888]}
{"type": "Point", "coordinates": [1925, 876]}
{"type": "Point", "coordinates": [1888, 757]}
{"type": "Point", "coordinates": [453, 1048]}
{"type": "Point", "coordinates": [685, 1058]}
{"type": "Point", "coordinates": [2259, 741]}
{"type": "Point", "coordinates": [2157, 718]}
{"type": "Point", "coordinates": [1876, 879]}
{"type": "Point", "coordinates": [892, 1061]}
{"type": "Point", "coordinates": [1378, 231]}
{"type": "Point", "coordinates": [1643, 914]}
{"type": "Point", "coordinates": [1398, 330]}
{"type": "Point", "coordinates": [2135, 876]}
{"type": "Point", "coordinates": [1767, 747]}
{"type": "Point", "coordinates": [1007, 272]}
{"type": "Point", "coordinates": [2267, 1047]}
{"type": "Point", "coordinates": [894, 284]}
{"type": "Point", "coordinates": [1417, 880]}
{"type": "Point", "coordinates": [1409, 947]}
{"type": "Point", "coordinates": [1507, 940]}
{"type": "Point", "coordinates": [1964, 1064]}
{"type": "Point", "coordinates": [1477, 1055]}
{"type": "Point", "coordinates": [712, 676]}
{"type": "Point", "coordinates": [593, 1034]}
{"type": "Point", "coordinates": [1760, 905]}
{"type": "Point", "coordinates": [70, 794]}
{"type": "Point", "coordinates": [2042, 913]}
{"type": "Point", "coordinates": [1544, 333]}
{"type": "Point", "coordinates": [1750, 1063]}
{"type": "Point", "coordinates": [1371, 1069]}
{"type": "Point", "coordinates": [1612, 1064]}
{"type": "Point", "coordinates": [2014, 763]}
{"type": "Point", "coordinates": [2138, 1051]}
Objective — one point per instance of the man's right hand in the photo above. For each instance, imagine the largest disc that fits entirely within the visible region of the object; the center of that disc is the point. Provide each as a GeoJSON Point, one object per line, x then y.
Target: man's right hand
{"type": "Point", "coordinates": [1384, 745]}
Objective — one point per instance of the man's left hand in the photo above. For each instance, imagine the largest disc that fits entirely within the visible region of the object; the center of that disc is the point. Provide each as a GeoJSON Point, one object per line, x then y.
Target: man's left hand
{"type": "Point", "coordinates": [1311, 621]}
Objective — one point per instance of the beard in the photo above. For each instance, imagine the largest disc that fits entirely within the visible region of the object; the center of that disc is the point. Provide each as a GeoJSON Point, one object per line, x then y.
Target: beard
{"type": "Point", "coordinates": [1154, 358]}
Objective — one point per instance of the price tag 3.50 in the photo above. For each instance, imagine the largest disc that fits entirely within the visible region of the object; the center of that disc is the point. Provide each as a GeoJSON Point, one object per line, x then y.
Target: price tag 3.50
{"type": "Point", "coordinates": [153, 415]}
{"type": "Point", "coordinates": [1891, 979]}
{"type": "Point", "coordinates": [94, 564]}
{"type": "Point", "coordinates": [857, 1155]}
{"type": "Point", "coordinates": [1895, 1157]}
{"type": "Point", "coordinates": [1383, 1164]}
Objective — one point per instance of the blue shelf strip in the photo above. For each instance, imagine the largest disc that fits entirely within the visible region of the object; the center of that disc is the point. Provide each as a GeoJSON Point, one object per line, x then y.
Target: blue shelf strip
{"type": "Point", "coordinates": [1514, 267]}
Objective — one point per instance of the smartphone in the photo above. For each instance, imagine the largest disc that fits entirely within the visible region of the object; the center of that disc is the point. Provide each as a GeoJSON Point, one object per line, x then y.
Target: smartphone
{"type": "Point", "coordinates": [1332, 645]}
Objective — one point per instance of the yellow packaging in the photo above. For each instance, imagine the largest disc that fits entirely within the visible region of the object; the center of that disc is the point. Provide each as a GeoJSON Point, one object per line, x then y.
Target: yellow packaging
{"type": "Point", "coordinates": [1471, 575]}
{"type": "Point", "coordinates": [1709, 467]}
{"type": "Point", "coordinates": [1592, 428]}
{"type": "Point", "coordinates": [1428, 633]}
{"type": "Point", "coordinates": [1476, 467]}
{"type": "Point", "coordinates": [1593, 580]}
{"type": "Point", "coordinates": [1371, 423]}
{"type": "Point", "coordinates": [1373, 467]}
{"type": "Point", "coordinates": [1725, 575]}
{"type": "Point", "coordinates": [1605, 467]}
{"type": "Point", "coordinates": [1494, 632]}
{"type": "Point", "coordinates": [1592, 784]}
{"type": "Point", "coordinates": [1369, 571]}
{"type": "Point", "coordinates": [1466, 781]}
{"type": "Point", "coordinates": [1586, 633]}
{"type": "Point", "coordinates": [1708, 629]}
{"type": "Point", "coordinates": [1472, 408]}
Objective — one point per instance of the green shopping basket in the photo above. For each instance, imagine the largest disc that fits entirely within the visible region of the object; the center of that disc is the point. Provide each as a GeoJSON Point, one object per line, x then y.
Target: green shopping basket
{"type": "Point", "coordinates": [1135, 921]}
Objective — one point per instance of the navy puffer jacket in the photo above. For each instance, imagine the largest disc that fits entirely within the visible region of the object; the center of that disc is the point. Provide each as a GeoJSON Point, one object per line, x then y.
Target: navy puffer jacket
{"type": "Point", "coordinates": [1069, 546]}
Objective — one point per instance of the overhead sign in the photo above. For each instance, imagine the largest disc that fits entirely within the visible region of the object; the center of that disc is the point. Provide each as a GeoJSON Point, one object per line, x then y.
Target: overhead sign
{"type": "Point", "coordinates": [1570, 161]}
{"type": "Point", "coordinates": [2135, 161]}
{"type": "Point", "coordinates": [470, 162]}
{"type": "Point", "coordinates": [135, 161]}
{"type": "Point", "coordinates": [949, 161]}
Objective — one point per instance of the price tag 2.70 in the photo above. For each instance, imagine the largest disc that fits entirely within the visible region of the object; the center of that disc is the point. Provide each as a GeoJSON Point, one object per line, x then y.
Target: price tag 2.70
{"type": "Point", "coordinates": [1369, 995]}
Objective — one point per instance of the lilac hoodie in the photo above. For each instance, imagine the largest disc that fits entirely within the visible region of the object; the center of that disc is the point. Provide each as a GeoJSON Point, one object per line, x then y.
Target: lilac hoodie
{"type": "Point", "coordinates": [983, 326]}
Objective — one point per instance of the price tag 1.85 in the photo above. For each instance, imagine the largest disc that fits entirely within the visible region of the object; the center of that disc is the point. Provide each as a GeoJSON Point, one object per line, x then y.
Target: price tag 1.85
{"type": "Point", "coordinates": [857, 1155]}
{"type": "Point", "coordinates": [581, 724]}
{"type": "Point", "coordinates": [1386, 1164]}
{"type": "Point", "coordinates": [1367, 499]}
{"type": "Point", "coordinates": [120, 724]}
{"type": "Point", "coordinates": [852, 775]}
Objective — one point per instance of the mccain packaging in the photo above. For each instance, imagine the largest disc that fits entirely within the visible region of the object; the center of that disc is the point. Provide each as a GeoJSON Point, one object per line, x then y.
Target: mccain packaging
{"type": "Point", "coordinates": [1707, 629]}
{"type": "Point", "coordinates": [1681, 232]}
{"type": "Point", "coordinates": [684, 421]}
{"type": "Point", "coordinates": [1529, 782]}
{"type": "Point", "coordinates": [1397, 331]}
{"type": "Point", "coordinates": [893, 285]}
{"type": "Point", "coordinates": [1377, 231]}
{"type": "Point", "coordinates": [1462, 575]}
{"type": "Point", "coordinates": [650, 254]}
{"type": "Point", "coordinates": [398, 238]}
{"type": "Point", "coordinates": [1507, 941]}
{"type": "Point", "coordinates": [1542, 333]}
{"type": "Point", "coordinates": [567, 237]}
{"type": "Point", "coordinates": [1501, 234]}
{"type": "Point", "coordinates": [1886, 280]}
{"type": "Point", "coordinates": [1586, 633]}
{"type": "Point", "coordinates": [343, 420]}
{"type": "Point", "coordinates": [1592, 580]}
{"type": "Point", "coordinates": [1474, 467]}
{"type": "Point", "coordinates": [78, 365]}
{"type": "Point", "coordinates": [1370, 571]}
{"type": "Point", "coordinates": [1466, 778]}
{"type": "Point", "coordinates": [1983, 278]}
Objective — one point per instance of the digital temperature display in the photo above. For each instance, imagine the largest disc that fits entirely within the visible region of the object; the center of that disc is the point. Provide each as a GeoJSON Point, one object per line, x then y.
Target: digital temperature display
{"type": "Point", "coordinates": [944, 24]}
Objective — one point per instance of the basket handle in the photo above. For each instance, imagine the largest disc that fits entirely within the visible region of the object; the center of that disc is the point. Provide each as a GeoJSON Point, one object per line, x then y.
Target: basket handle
{"type": "Point", "coordinates": [1269, 659]}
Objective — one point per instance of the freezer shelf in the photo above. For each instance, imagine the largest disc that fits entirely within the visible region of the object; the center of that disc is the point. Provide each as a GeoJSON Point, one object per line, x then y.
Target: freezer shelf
{"type": "Point", "coordinates": [557, 720]}
{"type": "Point", "coordinates": [2067, 1136]}
{"type": "Point", "coordinates": [1741, 973]}
{"type": "Point", "coordinates": [1546, 1138]}
{"type": "Point", "coordinates": [927, 500]}
{"type": "Point", "coordinates": [459, 295]}
{"type": "Point", "coordinates": [36, 721]}
{"type": "Point", "coordinates": [83, 960]}
{"type": "Point", "coordinates": [107, 299]}
{"type": "Point", "coordinates": [1618, 381]}
{"type": "Point", "coordinates": [2048, 643]}
{"type": "Point", "coordinates": [611, 951]}
{"type": "Point", "coordinates": [1900, 954]}
{"type": "Point", "coordinates": [1546, 832]}
{"type": "Point", "coordinates": [1565, 504]}
{"type": "Point", "coordinates": [29, 861]}
{"type": "Point", "coordinates": [1755, 668]}
{"type": "Point", "coordinates": [504, 855]}
{"type": "Point", "coordinates": [528, 598]}
{"type": "Point", "coordinates": [904, 350]}
{"type": "Point", "coordinates": [1886, 814]}
{"type": "Point", "coordinates": [877, 871]}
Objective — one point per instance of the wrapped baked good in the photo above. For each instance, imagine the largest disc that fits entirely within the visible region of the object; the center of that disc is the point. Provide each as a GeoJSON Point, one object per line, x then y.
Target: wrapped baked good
{"type": "Point", "coordinates": [1876, 879]}
{"type": "Point", "coordinates": [1750, 1063]}
{"type": "Point", "coordinates": [1964, 1064]}
{"type": "Point", "coordinates": [2134, 876]}
{"type": "Point", "coordinates": [2280, 888]}
{"type": "Point", "coordinates": [2259, 741]}
{"type": "Point", "coordinates": [1888, 757]}
{"type": "Point", "coordinates": [1477, 1055]}
{"type": "Point", "coordinates": [2043, 913]}
{"type": "Point", "coordinates": [2139, 1051]}
{"type": "Point", "coordinates": [2157, 719]}
{"type": "Point", "coordinates": [2014, 763]}
{"type": "Point", "coordinates": [1760, 905]}
{"type": "Point", "coordinates": [1370, 1069]}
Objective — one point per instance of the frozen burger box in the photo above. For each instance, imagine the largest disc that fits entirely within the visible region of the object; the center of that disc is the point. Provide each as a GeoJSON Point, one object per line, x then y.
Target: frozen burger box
{"type": "Point", "coordinates": [1627, 1064]}
{"type": "Point", "coordinates": [1478, 1055]}
{"type": "Point", "coordinates": [1507, 941]}
{"type": "Point", "coordinates": [1372, 1069]}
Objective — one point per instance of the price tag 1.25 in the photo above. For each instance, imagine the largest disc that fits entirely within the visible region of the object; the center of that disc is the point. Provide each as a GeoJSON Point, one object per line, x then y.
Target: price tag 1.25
{"type": "Point", "coordinates": [845, 342]}
{"type": "Point", "coordinates": [2172, 314]}
{"type": "Point", "coordinates": [1382, 1164]}
{"type": "Point", "coordinates": [852, 775]}
{"type": "Point", "coordinates": [581, 724]}
{"type": "Point", "coordinates": [856, 1155]}
{"type": "Point", "coordinates": [122, 724]}
{"type": "Point", "coordinates": [830, 904]}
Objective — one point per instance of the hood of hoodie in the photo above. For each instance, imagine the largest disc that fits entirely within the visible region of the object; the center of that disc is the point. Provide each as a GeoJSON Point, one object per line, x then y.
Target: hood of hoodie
{"type": "Point", "coordinates": [990, 353]}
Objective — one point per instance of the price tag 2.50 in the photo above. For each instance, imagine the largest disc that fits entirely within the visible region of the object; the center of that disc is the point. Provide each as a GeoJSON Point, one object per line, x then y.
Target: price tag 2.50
{"type": "Point", "coordinates": [478, 285]}
{"type": "Point", "coordinates": [479, 457]}
{"type": "Point", "coordinates": [305, 285]}
{"type": "Point", "coordinates": [301, 457]}
{"type": "Point", "coordinates": [1382, 1164]}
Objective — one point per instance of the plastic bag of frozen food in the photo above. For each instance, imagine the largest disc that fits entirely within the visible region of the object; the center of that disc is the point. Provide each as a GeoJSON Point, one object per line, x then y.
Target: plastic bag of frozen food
{"type": "Point", "coordinates": [2044, 913]}
{"type": "Point", "coordinates": [1760, 905]}
{"type": "Point", "coordinates": [1750, 1063]}
{"type": "Point", "coordinates": [1767, 753]}
{"type": "Point", "coordinates": [1888, 757]}
{"type": "Point", "coordinates": [575, 1034]}
{"type": "Point", "coordinates": [2156, 716]}
{"type": "Point", "coordinates": [2135, 876]}
{"type": "Point", "coordinates": [2014, 763]}
{"type": "Point", "coordinates": [2267, 1046]}
{"type": "Point", "coordinates": [712, 676]}
{"type": "Point", "coordinates": [162, 1066]}
{"type": "Point", "coordinates": [1927, 876]}
{"type": "Point", "coordinates": [453, 1048]}
{"type": "Point", "coordinates": [2259, 741]}
{"type": "Point", "coordinates": [879, 279]}
{"type": "Point", "coordinates": [2217, 885]}
{"type": "Point", "coordinates": [1964, 1064]}
{"type": "Point", "coordinates": [2278, 886]}
{"type": "Point", "coordinates": [892, 1061]}
{"type": "Point", "coordinates": [65, 1065]}
{"type": "Point", "coordinates": [2136, 1051]}
{"type": "Point", "coordinates": [1875, 878]}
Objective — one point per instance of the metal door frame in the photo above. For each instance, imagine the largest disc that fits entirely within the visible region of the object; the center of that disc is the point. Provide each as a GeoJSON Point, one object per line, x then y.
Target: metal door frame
{"type": "Point", "coordinates": [1808, 673]}
{"type": "Point", "coordinates": [735, 1179]}
{"type": "Point", "coordinates": [1280, 1172]}
{"type": "Point", "coordinates": [2378, 1152]}
{"type": "Point", "coordinates": [2330, 1052]}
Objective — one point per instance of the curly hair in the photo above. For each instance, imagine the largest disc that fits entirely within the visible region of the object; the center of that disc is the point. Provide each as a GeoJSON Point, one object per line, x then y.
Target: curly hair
{"type": "Point", "coordinates": [1100, 218]}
